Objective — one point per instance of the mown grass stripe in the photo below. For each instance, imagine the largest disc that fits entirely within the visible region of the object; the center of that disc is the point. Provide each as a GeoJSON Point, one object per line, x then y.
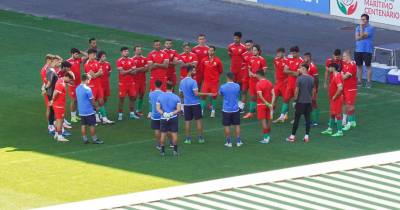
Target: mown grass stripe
{"type": "Point", "coordinates": [187, 199]}
{"type": "Point", "coordinates": [252, 201]}
{"type": "Point", "coordinates": [213, 203]}
{"type": "Point", "coordinates": [226, 201]}
{"type": "Point", "coordinates": [352, 178]}
{"type": "Point", "coordinates": [386, 171]}
{"type": "Point", "coordinates": [189, 204]}
{"type": "Point", "coordinates": [374, 176]}
{"type": "Point", "coordinates": [176, 204]}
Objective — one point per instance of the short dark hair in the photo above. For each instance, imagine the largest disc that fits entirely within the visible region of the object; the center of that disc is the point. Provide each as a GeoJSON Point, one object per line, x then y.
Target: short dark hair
{"type": "Point", "coordinates": [84, 77]}
{"type": "Point", "coordinates": [189, 69]}
{"type": "Point", "coordinates": [92, 39]}
{"type": "Point", "coordinates": [337, 52]}
{"type": "Point", "coordinates": [158, 83]}
{"type": "Point", "coordinates": [307, 54]}
{"type": "Point", "coordinates": [305, 65]}
{"type": "Point", "coordinates": [66, 64]}
{"type": "Point", "coordinates": [170, 85]}
{"type": "Point", "coordinates": [124, 48]}
{"type": "Point", "coordinates": [230, 75]}
{"type": "Point", "coordinates": [366, 16]}
{"type": "Point", "coordinates": [100, 54]}
{"type": "Point", "coordinates": [249, 41]}
{"type": "Point", "coordinates": [168, 40]}
{"type": "Point", "coordinates": [75, 50]}
{"type": "Point", "coordinates": [156, 40]}
{"type": "Point", "coordinates": [295, 49]}
{"type": "Point", "coordinates": [186, 44]}
{"type": "Point", "coordinates": [281, 49]}
{"type": "Point", "coordinates": [213, 47]}
{"type": "Point", "coordinates": [258, 47]}
{"type": "Point", "coordinates": [334, 65]}
{"type": "Point", "coordinates": [238, 34]}
{"type": "Point", "coordinates": [91, 51]}
{"type": "Point", "coordinates": [260, 72]}
{"type": "Point", "coordinates": [136, 46]}
{"type": "Point", "coordinates": [201, 35]}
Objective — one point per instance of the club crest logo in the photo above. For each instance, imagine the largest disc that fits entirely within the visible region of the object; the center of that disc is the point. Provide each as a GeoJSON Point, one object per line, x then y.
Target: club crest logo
{"type": "Point", "coordinates": [347, 7]}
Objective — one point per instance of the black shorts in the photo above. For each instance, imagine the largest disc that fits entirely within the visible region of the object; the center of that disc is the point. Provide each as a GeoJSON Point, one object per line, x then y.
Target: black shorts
{"type": "Point", "coordinates": [169, 126]}
{"type": "Point", "coordinates": [155, 124]}
{"type": "Point", "coordinates": [363, 57]}
{"type": "Point", "coordinates": [192, 112]}
{"type": "Point", "coordinates": [230, 118]}
{"type": "Point", "coordinates": [89, 120]}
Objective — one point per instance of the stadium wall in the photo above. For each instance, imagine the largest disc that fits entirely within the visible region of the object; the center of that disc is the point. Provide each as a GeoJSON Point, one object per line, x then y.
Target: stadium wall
{"type": "Point", "coordinates": [383, 13]}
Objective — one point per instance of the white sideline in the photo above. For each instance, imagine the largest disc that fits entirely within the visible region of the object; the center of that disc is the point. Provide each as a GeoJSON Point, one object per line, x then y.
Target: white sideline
{"type": "Point", "coordinates": [232, 182]}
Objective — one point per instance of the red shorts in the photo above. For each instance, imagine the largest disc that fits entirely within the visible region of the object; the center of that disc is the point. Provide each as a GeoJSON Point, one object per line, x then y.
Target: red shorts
{"type": "Point", "coordinates": [244, 75]}
{"type": "Point", "coordinates": [162, 79]}
{"type": "Point", "coordinates": [171, 77]}
{"type": "Point", "coordinates": [72, 92]}
{"type": "Point", "coordinates": [289, 93]}
{"type": "Point", "coordinates": [140, 87]}
{"type": "Point", "coordinates": [127, 89]}
{"type": "Point", "coordinates": [237, 75]}
{"type": "Point", "coordinates": [106, 89]}
{"type": "Point", "coordinates": [97, 92]}
{"type": "Point", "coordinates": [280, 88]}
{"type": "Point", "coordinates": [350, 97]}
{"type": "Point", "coordinates": [210, 87]}
{"type": "Point", "coordinates": [336, 106]}
{"type": "Point", "coordinates": [59, 112]}
{"type": "Point", "coordinates": [263, 112]}
{"type": "Point", "coordinates": [253, 87]}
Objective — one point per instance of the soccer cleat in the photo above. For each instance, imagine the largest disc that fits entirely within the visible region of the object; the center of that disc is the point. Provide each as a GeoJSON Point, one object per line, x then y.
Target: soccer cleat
{"type": "Point", "coordinates": [306, 139]}
{"type": "Point", "coordinates": [158, 147]}
{"type": "Point", "coordinates": [327, 131]}
{"type": "Point", "coordinates": [338, 134]}
{"type": "Point", "coordinates": [149, 115]}
{"type": "Point", "coordinates": [314, 124]}
{"type": "Point", "coordinates": [85, 141]}
{"type": "Point", "coordinates": [65, 125]}
{"type": "Point", "coordinates": [249, 115]}
{"type": "Point", "coordinates": [133, 115]}
{"type": "Point", "coordinates": [239, 143]}
{"type": "Point", "coordinates": [52, 132]}
{"type": "Point", "coordinates": [139, 113]}
{"type": "Point", "coordinates": [98, 141]}
{"type": "Point", "coordinates": [201, 141]}
{"type": "Point", "coordinates": [368, 85]}
{"type": "Point", "coordinates": [228, 144]}
{"type": "Point", "coordinates": [291, 139]}
{"type": "Point", "coordinates": [292, 122]}
{"type": "Point", "coordinates": [279, 120]}
{"type": "Point", "coordinates": [187, 141]}
{"type": "Point", "coordinates": [347, 127]}
{"type": "Point", "coordinates": [265, 141]}
{"type": "Point", "coordinates": [212, 115]}
{"type": "Point", "coordinates": [74, 119]}
{"type": "Point", "coordinates": [119, 117]}
{"type": "Point", "coordinates": [106, 121]}
{"type": "Point", "coordinates": [353, 124]}
{"type": "Point", "coordinates": [66, 122]}
{"type": "Point", "coordinates": [66, 133]}
{"type": "Point", "coordinates": [61, 138]}
{"type": "Point", "coordinates": [98, 120]}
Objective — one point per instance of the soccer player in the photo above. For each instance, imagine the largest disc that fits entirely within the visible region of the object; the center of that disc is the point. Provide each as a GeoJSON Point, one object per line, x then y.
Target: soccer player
{"type": "Point", "coordinates": [48, 60]}
{"type": "Point", "coordinates": [188, 59]}
{"type": "Point", "coordinates": [336, 58]}
{"type": "Point", "coordinates": [93, 69]}
{"type": "Point", "coordinates": [335, 101]}
{"type": "Point", "coordinates": [230, 91]}
{"type": "Point", "coordinates": [87, 110]}
{"type": "Point", "coordinates": [126, 83]}
{"type": "Point", "coordinates": [75, 60]}
{"type": "Point", "coordinates": [191, 105]}
{"type": "Point", "coordinates": [244, 73]}
{"type": "Point", "coordinates": [140, 63]}
{"type": "Point", "coordinates": [93, 44]}
{"type": "Point", "coordinates": [105, 78]}
{"type": "Point", "coordinates": [173, 57]}
{"type": "Point", "coordinates": [158, 62]}
{"type": "Point", "coordinates": [265, 102]}
{"type": "Point", "coordinates": [235, 52]}
{"type": "Point", "coordinates": [291, 69]}
{"type": "Point", "coordinates": [212, 68]}
{"type": "Point", "coordinates": [280, 77]}
{"type": "Point", "coordinates": [349, 71]}
{"type": "Point", "coordinates": [155, 115]}
{"type": "Point", "coordinates": [313, 71]}
{"type": "Point", "coordinates": [58, 102]}
{"type": "Point", "coordinates": [303, 97]}
{"type": "Point", "coordinates": [201, 50]}
{"type": "Point", "coordinates": [169, 105]}
{"type": "Point", "coordinates": [255, 63]}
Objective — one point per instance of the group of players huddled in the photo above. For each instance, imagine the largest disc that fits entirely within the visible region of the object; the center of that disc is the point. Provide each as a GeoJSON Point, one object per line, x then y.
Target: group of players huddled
{"type": "Point", "coordinates": [200, 72]}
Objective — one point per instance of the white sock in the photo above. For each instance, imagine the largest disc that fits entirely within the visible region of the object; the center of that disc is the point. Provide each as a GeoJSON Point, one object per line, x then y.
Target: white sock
{"type": "Point", "coordinates": [282, 116]}
{"type": "Point", "coordinates": [292, 136]}
{"type": "Point", "coordinates": [73, 114]}
{"type": "Point", "coordinates": [344, 118]}
{"type": "Point", "coordinates": [306, 136]}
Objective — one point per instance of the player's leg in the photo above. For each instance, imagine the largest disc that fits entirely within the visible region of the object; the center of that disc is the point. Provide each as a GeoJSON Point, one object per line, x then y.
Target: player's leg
{"type": "Point", "coordinates": [359, 62]}
{"type": "Point", "coordinates": [227, 122]}
{"type": "Point", "coordinates": [83, 131]}
{"type": "Point", "coordinates": [214, 89]}
{"type": "Point", "coordinates": [236, 126]}
{"type": "Point", "coordinates": [59, 116]}
{"type": "Point", "coordinates": [307, 116]}
{"type": "Point", "coordinates": [252, 101]}
{"type": "Point", "coordinates": [205, 89]}
{"type": "Point", "coordinates": [350, 110]}
{"type": "Point", "coordinates": [163, 136]}
{"type": "Point", "coordinates": [122, 92]}
{"type": "Point", "coordinates": [173, 129]}
{"type": "Point", "coordinates": [72, 106]}
{"type": "Point", "coordinates": [339, 125]}
{"type": "Point", "coordinates": [132, 114]}
{"type": "Point", "coordinates": [141, 89]}
{"type": "Point", "coordinates": [299, 109]}
{"type": "Point", "coordinates": [368, 59]}
{"type": "Point", "coordinates": [288, 95]}
{"type": "Point", "coordinates": [188, 115]}
{"type": "Point", "coordinates": [120, 107]}
{"type": "Point", "coordinates": [196, 111]}
{"type": "Point", "coordinates": [315, 110]}
{"type": "Point", "coordinates": [263, 114]}
{"type": "Point", "coordinates": [95, 139]}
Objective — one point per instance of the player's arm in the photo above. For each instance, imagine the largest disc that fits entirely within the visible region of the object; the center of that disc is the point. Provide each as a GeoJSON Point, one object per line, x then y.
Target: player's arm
{"type": "Point", "coordinates": [347, 75]}
{"type": "Point", "coordinates": [84, 55]}
{"type": "Point", "coordinates": [122, 71]}
{"type": "Point", "coordinates": [55, 95]}
{"type": "Point", "coordinates": [158, 108]}
{"type": "Point", "coordinates": [326, 76]}
{"type": "Point", "coordinates": [316, 81]}
{"type": "Point", "coordinates": [361, 34]}
{"type": "Point", "coordinates": [162, 65]}
{"type": "Point", "coordinates": [296, 93]}
{"type": "Point", "coordinates": [287, 71]}
{"type": "Point", "coordinates": [177, 109]}
{"type": "Point", "coordinates": [338, 91]}
{"type": "Point", "coordinates": [260, 95]}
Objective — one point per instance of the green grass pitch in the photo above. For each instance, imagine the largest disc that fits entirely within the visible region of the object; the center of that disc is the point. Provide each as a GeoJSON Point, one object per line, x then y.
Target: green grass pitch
{"type": "Point", "coordinates": [36, 171]}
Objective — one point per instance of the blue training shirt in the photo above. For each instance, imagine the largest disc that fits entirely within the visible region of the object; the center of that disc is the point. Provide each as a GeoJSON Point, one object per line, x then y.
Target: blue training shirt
{"type": "Point", "coordinates": [168, 102]}
{"type": "Point", "coordinates": [367, 44]}
{"type": "Point", "coordinates": [187, 87]}
{"type": "Point", "coordinates": [230, 92]}
{"type": "Point", "coordinates": [153, 96]}
{"type": "Point", "coordinates": [84, 98]}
